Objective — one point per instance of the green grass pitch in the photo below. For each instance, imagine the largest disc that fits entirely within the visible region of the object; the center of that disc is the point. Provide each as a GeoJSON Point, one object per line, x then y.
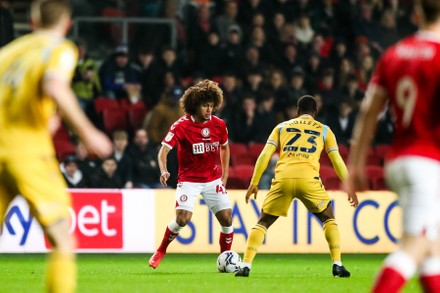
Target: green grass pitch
{"type": "Point", "coordinates": [194, 273]}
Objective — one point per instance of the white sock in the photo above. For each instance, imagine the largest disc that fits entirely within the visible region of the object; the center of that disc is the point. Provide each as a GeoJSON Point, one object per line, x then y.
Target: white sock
{"type": "Point", "coordinates": [338, 263]}
{"type": "Point", "coordinates": [174, 227]}
{"type": "Point", "coordinates": [227, 230]}
{"type": "Point", "coordinates": [401, 262]}
{"type": "Point", "coordinates": [246, 265]}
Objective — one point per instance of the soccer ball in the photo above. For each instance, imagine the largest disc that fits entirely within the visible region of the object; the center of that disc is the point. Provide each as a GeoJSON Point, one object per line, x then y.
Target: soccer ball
{"type": "Point", "coordinates": [228, 262]}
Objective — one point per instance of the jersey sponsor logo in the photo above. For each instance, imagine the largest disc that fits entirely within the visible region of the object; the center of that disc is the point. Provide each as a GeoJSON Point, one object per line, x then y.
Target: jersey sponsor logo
{"type": "Point", "coordinates": [206, 132]}
{"type": "Point", "coordinates": [183, 198]}
{"type": "Point", "coordinates": [169, 136]}
{"type": "Point", "coordinates": [198, 148]}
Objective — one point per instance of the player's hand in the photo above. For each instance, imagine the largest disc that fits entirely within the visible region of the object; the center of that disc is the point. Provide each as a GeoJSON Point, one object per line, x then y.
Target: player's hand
{"type": "Point", "coordinates": [164, 178]}
{"type": "Point", "coordinates": [252, 190]}
{"type": "Point", "coordinates": [97, 143]}
{"type": "Point", "coordinates": [353, 199]}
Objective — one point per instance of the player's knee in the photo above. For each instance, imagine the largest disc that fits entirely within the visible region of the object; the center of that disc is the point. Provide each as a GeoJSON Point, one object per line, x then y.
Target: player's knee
{"type": "Point", "coordinates": [226, 222]}
{"type": "Point", "coordinates": [59, 236]}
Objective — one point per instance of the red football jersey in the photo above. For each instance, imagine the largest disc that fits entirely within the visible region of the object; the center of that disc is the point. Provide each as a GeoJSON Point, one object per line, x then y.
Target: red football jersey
{"type": "Point", "coordinates": [409, 74]}
{"type": "Point", "coordinates": [199, 148]}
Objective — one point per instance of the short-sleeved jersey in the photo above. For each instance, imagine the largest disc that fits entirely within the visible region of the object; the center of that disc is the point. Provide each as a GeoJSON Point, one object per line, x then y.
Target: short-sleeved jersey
{"type": "Point", "coordinates": [300, 142]}
{"type": "Point", "coordinates": [408, 73]}
{"type": "Point", "coordinates": [199, 147]}
{"type": "Point", "coordinates": [24, 109]}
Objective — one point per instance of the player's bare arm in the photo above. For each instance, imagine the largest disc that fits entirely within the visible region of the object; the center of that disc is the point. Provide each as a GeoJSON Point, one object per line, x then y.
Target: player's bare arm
{"type": "Point", "coordinates": [95, 141]}
{"type": "Point", "coordinates": [260, 166]}
{"type": "Point", "coordinates": [225, 155]}
{"type": "Point", "coordinates": [342, 173]}
{"type": "Point", "coordinates": [162, 159]}
{"type": "Point", "coordinates": [363, 132]}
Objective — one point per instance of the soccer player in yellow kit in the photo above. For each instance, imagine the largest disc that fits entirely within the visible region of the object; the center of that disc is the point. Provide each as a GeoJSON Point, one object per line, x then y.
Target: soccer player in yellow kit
{"type": "Point", "coordinates": [301, 141]}
{"type": "Point", "coordinates": [35, 75]}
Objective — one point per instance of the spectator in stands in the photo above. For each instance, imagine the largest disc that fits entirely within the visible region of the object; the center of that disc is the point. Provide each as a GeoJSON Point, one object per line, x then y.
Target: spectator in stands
{"type": "Point", "coordinates": [275, 28]}
{"type": "Point", "coordinates": [303, 30]}
{"type": "Point", "coordinates": [253, 61]}
{"type": "Point", "coordinates": [85, 82]}
{"type": "Point", "coordinates": [366, 25]}
{"type": "Point", "coordinates": [384, 129]}
{"type": "Point", "coordinates": [265, 118]}
{"type": "Point", "coordinates": [352, 92]}
{"type": "Point", "coordinates": [388, 30]}
{"type": "Point", "coordinates": [119, 76]}
{"type": "Point", "coordinates": [248, 8]}
{"type": "Point", "coordinates": [159, 120]}
{"type": "Point", "coordinates": [338, 52]}
{"type": "Point", "coordinates": [107, 176]}
{"type": "Point", "coordinates": [364, 71]}
{"type": "Point", "coordinates": [144, 157]}
{"type": "Point", "coordinates": [146, 66]}
{"type": "Point", "coordinates": [321, 116]}
{"type": "Point", "coordinates": [296, 87]}
{"type": "Point", "coordinates": [227, 19]}
{"type": "Point", "coordinates": [199, 30]}
{"type": "Point", "coordinates": [7, 23]}
{"type": "Point", "coordinates": [342, 124]}
{"type": "Point", "coordinates": [290, 59]}
{"type": "Point", "coordinates": [85, 164]}
{"type": "Point", "coordinates": [72, 174]}
{"type": "Point", "coordinates": [330, 94]}
{"type": "Point", "coordinates": [344, 71]}
{"type": "Point", "coordinates": [254, 83]}
{"type": "Point", "coordinates": [210, 59]}
{"type": "Point", "coordinates": [124, 169]}
{"type": "Point", "coordinates": [242, 129]}
{"type": "Point", "coordinates": [233, 51]}
{"type": "Point", "coordinates": [258, 40]}
{"type": "Point", "coordinates": [232, 93]}
{"type": "Point", "coordinates": [167, 62]}
{"type": "Point", "coordinates": [313, 70]}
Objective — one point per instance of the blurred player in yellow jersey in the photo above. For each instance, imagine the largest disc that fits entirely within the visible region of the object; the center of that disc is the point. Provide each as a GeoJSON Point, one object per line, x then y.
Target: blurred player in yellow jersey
{"type": "Point", "coordinates": [300, 141]}
{"type": "Point", "coordinates": [35, 74]}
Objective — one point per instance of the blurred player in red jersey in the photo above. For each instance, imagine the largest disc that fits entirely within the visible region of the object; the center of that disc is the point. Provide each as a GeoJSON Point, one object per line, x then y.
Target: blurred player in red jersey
{"type": "Point", "coordinates": [407, 78]}
{"type": "Point", "coordinates": [202, 137]}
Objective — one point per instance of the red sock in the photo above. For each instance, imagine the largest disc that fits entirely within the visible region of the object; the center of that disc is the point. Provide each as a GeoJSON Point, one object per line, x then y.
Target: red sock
{"type": "Point", "coordinates": [226, 241]}
{"type": "Point", "coordinates": [388, 281]}
{"type": "Point", "coordinates": [430, 283]}
{"type": "Point", "coordinates": [167, 238]}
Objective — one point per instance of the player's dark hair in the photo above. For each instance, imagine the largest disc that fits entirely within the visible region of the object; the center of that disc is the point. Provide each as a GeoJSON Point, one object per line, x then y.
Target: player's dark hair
{"type": "Point", "coordinates": [203, 92]}
{"type": "Point", "coordinates": [431, 10]}
{"type": "Point", "coordinates": [49, 12]}
{"type": "Point", "coordinates": [306, 104]}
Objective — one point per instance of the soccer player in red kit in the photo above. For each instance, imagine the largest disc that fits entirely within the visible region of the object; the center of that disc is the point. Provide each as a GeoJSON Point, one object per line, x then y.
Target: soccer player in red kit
{"type": "Point", "coordinates": [407, 79]}
{"type": "Point", "coordinates": [202, 138]}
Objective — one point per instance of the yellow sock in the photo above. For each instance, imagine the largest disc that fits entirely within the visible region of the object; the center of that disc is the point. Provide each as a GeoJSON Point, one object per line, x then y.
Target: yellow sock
{"type": "Point", "coordinates": [61, 273]}
{"type": "Point", "coordinates": [331, 232]}
{"type": "Point", "coordinates": [254, 242]}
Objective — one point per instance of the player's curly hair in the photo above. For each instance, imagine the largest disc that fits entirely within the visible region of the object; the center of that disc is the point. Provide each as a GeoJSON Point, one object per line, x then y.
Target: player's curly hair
{"type": "Point", "coordinates": [202, 92]}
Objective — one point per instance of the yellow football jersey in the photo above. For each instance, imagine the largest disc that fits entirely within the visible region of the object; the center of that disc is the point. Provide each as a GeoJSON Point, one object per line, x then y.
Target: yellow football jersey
{"type": "Point", "coordinates": [24, 109]}
{"type": "Point", "coordinates": [300, 142]}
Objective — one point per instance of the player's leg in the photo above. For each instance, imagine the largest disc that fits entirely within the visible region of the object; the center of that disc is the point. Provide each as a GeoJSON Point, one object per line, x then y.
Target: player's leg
{"type": "Point", "coordinates": [186, 194]}
{"type": "Point", "coordinates": [6, 195]}
{"type": "Point", "coordinates": [430, 268]}
{"type": "Point", "coordinates": [417, 195]}
{"type": "Point", "coordinates": [216, 197]}
{"type": "Point", "coordinates": [332, 235]}
{"type": "Point", "coordinates": [276, 203]}
{"type": "Point", "coordinates": [42, 185]}
{"type": "Point", "coordinates": [224, 217]}
{"type": "Point", "coordinates": [313, 195]}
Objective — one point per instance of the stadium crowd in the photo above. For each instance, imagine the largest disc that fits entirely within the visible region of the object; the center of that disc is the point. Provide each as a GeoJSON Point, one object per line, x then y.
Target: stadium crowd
{"type": "Point", "coordinates": [264, 54]}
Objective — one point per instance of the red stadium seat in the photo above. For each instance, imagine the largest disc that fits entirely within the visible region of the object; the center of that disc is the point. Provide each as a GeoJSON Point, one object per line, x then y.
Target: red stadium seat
{"type": "Point", "coordinates": [61, 134]}
{"type": "Point", "coordinates": [237, 148]}
{"type": "Point", "coordinates": [114, 119]}
{"type": "Point", "coordinates": [63, 148]}
{"type": "Point", "coordinates": [381, 151]}
{"type": "Point", "coordinates": [102, 104]}
{"type": "Point", "coordinates": [376, 178]}
{"type": "Point", "coordinates": [241, 176]}
{"type": "Point", "coordinates": [255, 149]}
{"type": "Point", "coordinates": [324, 160]}
{"type": "Point", "coordinates": [136, 117]}
{"type": "Point", "coordinates": [242, 159]}
{"type": "Point", "coordinates": [329, 178]}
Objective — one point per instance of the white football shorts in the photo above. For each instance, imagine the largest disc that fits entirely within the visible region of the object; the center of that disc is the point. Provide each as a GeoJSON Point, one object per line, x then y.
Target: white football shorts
{"type": "Point", "coordinates": [214, 194]}
{"type": "Point", "coordinates": [416, 180]}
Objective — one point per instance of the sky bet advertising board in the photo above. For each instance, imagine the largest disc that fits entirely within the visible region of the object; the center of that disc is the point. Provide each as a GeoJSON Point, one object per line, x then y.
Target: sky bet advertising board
{"type": "Point", "coordinates": [133, 221]}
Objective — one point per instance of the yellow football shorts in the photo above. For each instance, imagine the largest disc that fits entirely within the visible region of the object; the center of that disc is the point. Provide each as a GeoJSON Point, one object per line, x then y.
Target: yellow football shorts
{"type": "Point", "coordinates": [310, 192]}
{"type": "Point", "coordinates": [40, 182]}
